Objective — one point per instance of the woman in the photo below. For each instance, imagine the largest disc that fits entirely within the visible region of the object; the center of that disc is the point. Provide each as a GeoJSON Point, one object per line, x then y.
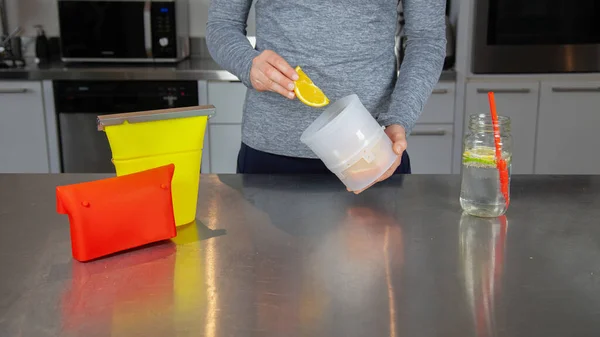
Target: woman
{"type": "Point", "coordinates": [345, 47]}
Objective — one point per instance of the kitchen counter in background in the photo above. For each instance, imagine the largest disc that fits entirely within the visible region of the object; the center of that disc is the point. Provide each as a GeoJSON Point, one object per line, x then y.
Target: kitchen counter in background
{"type": "Point", "coordinates": [190, 69]}
{"type": "Point", "coordinates": [300, 256]}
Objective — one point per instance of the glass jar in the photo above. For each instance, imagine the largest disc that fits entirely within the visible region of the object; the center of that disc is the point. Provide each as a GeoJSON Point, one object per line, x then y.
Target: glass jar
{"type": "Point", "coordinates": [483, 191]}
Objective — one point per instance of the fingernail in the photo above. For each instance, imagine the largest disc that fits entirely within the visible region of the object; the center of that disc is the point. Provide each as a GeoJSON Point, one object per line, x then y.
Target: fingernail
{"type": "Point", "coordinates": [291, 86]}
{"type": "Point", "coordinates": [291, 95]}
{"type": "Point", "coordinates": [295, 77]}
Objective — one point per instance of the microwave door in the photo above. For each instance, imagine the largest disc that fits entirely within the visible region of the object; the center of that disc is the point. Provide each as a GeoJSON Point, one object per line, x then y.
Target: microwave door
{"type": "Point", "coordinates": [105, 30]}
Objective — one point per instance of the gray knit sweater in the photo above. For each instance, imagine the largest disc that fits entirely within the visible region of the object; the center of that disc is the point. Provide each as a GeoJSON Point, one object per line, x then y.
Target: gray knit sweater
{"type": "Point", "coordinates": [344, 46]}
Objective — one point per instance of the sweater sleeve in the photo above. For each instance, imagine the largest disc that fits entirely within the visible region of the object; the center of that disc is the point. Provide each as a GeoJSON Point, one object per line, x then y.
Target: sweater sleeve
{"type": "Point", "coordinates": [226, 37]}
{"type": "Point", "coordinates": [425, 30]}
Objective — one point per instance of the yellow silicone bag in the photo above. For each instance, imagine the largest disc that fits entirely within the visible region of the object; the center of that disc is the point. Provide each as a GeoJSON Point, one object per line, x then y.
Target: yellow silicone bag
{"type": "Point", "coordinates": [141, 141]}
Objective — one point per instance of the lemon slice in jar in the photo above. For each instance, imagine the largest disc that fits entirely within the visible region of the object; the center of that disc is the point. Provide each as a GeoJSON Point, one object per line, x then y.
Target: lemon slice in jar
{"type": "Point", "coordinates": [480, 156]}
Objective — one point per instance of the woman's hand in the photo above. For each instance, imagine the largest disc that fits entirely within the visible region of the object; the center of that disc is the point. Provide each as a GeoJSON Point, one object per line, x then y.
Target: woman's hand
{"type": "Point", "coordinates": [270, 72]}
{"type": "Point", "coordinates": [398, 137]}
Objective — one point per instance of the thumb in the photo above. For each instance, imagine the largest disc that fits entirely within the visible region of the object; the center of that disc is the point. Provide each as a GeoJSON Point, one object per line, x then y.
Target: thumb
{"type": "Point", "coordinates": [399, 146]}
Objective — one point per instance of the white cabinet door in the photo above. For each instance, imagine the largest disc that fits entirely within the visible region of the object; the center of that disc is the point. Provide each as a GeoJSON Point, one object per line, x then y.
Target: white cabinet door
{"type": "Point", "coordinates": [23, 145]}
{"type": "Point", "coordinates": [440, 105]}
{"type": "Point", "coordinates": [567, 141]}
{"type": "Point", "coordinates": [205, 169]}
{"type": "Point", "coordinates": [225, 141]}
{"type": "Point", "coordinates": [517, 100]}
{"type": "Point", "coordinates": [228, 99]}
{"type": "Point", "coordinates": [225, 132]}
{"type": "Point", "coordinates": [430, 149]}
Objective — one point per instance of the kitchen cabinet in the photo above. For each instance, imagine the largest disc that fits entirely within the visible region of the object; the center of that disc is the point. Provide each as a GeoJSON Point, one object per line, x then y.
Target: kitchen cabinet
{"type": "Point", "coordinates": [23, 144]}
{"type": "Point", "coordinates": [430, 142]}
{"type": "Point", "coordinates": [225, 128]}
{"type": "Point", "coordinates": [228, 99]}
{"type": "Point", "coordinates": [430, 149]}
{"type": "Point", "coordinates": [567, 141]}
{"type": "Point", "coordinates": [517, 100]}
{"type": "Point", "coordinates": [225, 142]}
{"type": "Point", "coordinates": [205, 163]}
{"type": "Point", "coordinates": [440, 105]}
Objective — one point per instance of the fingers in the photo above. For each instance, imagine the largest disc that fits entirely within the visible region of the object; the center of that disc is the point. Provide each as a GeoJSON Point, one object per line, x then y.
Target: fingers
{"type": "Point", "coordinates": [391, 170]}
{"type": "Point", "coordinates": [400, 143]}
{"type": "Point", "coordinates": [383, 177]}
{"type": "Point", "coordinates": [398, 137]}
{"type": "Point", "coordinates": [271, 85]}
{"type": "Point", "coordinates": [399, 147]}
{"type": "Point", "coordinates": [276, 76]}
{"type": "Point", "coordinates": [270, 72]}
{"type": "Point", "coordinates": [364, 189]}
{"type": "Point", "coordinates": [281, 65]}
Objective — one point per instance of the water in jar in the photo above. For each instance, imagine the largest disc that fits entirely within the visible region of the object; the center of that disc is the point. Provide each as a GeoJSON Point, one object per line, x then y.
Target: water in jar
{"type": "Point", "coordinates": [481, 193]}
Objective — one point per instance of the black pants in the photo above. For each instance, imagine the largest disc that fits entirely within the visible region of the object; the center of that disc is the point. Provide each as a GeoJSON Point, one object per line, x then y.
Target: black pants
{"type": "Point", "coordinates": [251, 161]}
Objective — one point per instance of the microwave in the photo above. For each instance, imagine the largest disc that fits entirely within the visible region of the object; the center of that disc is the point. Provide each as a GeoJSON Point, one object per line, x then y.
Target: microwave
{"type": "Point", "coordinates": [123, 30]}
{"type": "Point", "coordinates": [536, 36]}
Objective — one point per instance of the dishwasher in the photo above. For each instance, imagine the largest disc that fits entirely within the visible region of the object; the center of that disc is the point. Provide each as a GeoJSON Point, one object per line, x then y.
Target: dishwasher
{"type": "Point", "coordinates": [83, 149]}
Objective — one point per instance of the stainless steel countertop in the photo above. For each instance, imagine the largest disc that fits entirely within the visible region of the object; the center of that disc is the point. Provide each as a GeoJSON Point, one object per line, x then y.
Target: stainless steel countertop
{"type": "Point", "coordinates": [190, 69]}
{"type": "Point", "coordinates": [300, 256]}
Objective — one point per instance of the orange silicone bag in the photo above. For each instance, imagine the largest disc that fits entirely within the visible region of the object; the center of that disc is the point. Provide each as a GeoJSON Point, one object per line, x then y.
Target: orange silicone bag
{"type": "Point", "coordinates": [115, 214]}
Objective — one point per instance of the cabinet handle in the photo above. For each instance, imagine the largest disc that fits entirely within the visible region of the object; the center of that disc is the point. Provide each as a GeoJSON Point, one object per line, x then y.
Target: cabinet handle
{"type": "Point", "coordinates": [563, 89]}
{"type": "Point", "coordinates": [505, 91]}
{"type": "Point", "coordinates": [440, 91]}
{"type": "Point", "coordinates": [147, 28]}
{"type": "Point", "coordinates": [14, 91]}
{"type": "Point", "coordinates": [429, 133]}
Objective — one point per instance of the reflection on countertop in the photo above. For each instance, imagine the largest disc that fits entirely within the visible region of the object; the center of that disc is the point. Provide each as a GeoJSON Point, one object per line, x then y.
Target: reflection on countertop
{"type": "Point", "coordinates": [482, 255]}
{"type": "Point", "coordinates": [300, 256]}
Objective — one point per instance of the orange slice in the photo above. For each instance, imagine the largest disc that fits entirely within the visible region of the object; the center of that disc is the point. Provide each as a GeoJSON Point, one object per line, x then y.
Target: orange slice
{"type": "Point", "coordinates": [307, 92]}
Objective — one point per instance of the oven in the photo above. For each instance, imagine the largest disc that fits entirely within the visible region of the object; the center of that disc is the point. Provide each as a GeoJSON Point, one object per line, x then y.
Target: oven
{"type": "Point", "coordinates": [536, 36]}
{"type": "Point", "coordinates": [84, 149]}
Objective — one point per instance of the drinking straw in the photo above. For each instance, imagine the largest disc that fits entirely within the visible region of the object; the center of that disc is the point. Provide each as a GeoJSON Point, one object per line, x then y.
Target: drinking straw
{"type": "Point", "coordinates": [500, 162]}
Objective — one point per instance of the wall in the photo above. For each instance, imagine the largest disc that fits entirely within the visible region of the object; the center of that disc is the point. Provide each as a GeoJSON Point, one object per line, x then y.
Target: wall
{"type": "Point", "coordinates": [28, 13]}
